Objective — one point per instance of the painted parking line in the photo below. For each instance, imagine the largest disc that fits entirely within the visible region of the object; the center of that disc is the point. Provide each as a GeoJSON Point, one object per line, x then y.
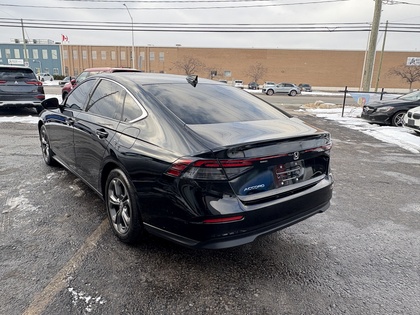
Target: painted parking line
{"type": "Point", "coordinates": [42, 299]}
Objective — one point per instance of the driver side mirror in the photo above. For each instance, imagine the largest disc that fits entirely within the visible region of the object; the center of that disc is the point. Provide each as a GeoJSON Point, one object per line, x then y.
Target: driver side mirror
{"type": "Point", "coordinates": [73, 81]}
{"type": "Point", "coordinates": [51, 103]}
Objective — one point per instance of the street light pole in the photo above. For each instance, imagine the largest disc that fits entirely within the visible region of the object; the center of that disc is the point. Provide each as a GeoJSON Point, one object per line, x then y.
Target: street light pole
{"type": "Point", "coordinates": [40, 65]}
{"type": "Point", "coordinates": [132, 36]}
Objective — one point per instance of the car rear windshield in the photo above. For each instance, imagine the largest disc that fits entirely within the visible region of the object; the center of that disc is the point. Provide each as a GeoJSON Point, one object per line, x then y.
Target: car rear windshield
{"type": "Point", "coordinates": [212, 103]}
{"type": "Point", "coordinates": [10, 74]}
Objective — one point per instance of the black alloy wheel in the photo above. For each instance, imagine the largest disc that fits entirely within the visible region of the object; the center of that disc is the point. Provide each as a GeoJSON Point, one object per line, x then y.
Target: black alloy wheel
{"type": "Point", "coordinates": [47, 153]}
{"type": "Point", "coordinates": [122, 208]}
{"type": "Point", "coordinates": [398, 119]}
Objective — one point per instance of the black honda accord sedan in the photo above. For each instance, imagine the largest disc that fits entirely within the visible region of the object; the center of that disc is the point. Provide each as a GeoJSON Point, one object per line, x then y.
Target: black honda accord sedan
{"type": "Point", "coordinates": [191, 160]}
{"type": "Point", "coordinates": [391, 112]}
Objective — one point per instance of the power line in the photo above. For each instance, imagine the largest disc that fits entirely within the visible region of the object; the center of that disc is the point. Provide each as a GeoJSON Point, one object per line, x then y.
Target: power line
{"type": "Point", "coordinates": [207, 27]}
{"type": "Point", "coordinates": [317, 2]}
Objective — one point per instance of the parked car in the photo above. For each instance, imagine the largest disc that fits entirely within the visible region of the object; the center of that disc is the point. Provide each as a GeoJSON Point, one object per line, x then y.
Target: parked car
{"type": "Point", "coordinates": [194, 161]}
{"type": "Point", "coordinates": [286, 88]}
{"type": "Point", "coordinates": [87, 73]}
{"type": "Point", "coordinates": [64, 81]}
{"type": "Point", "coordinates": [268, 84]}
{"type": "Point", "coordinates": [19, 87]}
{"type": "Point", "coordinates": [305, 87]}
{"type": "Point", "coordinates": [412, 119]}
{"type": "Point", "coordinates": [45, 77]}
{"type": "Point", "coordinates": [223, 81]}
{"type": "Point", "coordinates": [253, 85]}
{"type": "Point", "coordinates": [238, 84]}
{"type": "Point", "coordinates": [391, 112]}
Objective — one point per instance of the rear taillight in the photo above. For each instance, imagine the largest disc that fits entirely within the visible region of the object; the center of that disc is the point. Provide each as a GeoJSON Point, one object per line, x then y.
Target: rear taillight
{"type": "Point", "coordinates": [37, 83]}
{"type": "Point", "coordinates": [208, 169]}
{"type": "Point", "coordinates": [2, 82]}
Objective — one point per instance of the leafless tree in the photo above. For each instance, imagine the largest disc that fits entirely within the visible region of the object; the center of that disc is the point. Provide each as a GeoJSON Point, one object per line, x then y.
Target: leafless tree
{"type": "Point", "coordinates": [256, 72]}
{"type": "Point", "coordinates": [189, 65]}
{"type": "Point", "coordinates": [409, 74]}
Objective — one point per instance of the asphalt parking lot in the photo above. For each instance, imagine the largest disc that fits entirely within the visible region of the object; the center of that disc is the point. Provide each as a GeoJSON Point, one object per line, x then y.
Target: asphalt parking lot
{"type": "Point", "coordinates": [362, 256]}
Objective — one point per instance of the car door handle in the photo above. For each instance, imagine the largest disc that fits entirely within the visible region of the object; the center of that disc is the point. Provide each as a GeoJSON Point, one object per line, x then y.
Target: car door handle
{"type": "Point", "coordinates": [101, 133]}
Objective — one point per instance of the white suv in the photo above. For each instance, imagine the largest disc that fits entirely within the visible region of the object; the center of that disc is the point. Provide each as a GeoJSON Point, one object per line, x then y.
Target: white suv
{"type": "Point", "coordinates": [238, 84]}
{"type": "Point", "coordinates": [45, 77]}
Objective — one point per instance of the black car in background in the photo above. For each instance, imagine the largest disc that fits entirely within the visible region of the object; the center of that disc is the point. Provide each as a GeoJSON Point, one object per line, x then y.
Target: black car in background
{"type": "Point", "coordinates": [19, 88]}
{"type": "Point", "coordinates": [391, 112]}
{"type": "Point", "coordinates": [194, 161]}
{"type": "Point", "coordinates": [305, 87]}
{"type": "Point", "coordinates": [253, 85]}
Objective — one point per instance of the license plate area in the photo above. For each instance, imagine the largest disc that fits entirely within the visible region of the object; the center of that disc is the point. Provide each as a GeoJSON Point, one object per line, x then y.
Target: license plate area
{"type": "Point", "coordinates": [410, 122]}
{"type": "Point", "coordinates": [289, 173]}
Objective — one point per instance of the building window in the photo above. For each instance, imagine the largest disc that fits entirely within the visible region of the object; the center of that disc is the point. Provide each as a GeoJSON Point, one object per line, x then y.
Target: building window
{"type": "Point", "coordinates": [55, 71]}
{"type": "Point", "coordinates": [47, 70]}
{"type": "Point", "coordinates": [123, 55]}
{"type": "Point", "coordinates": [161, 56]}
{"type": "Point", "coordinates": [65, 54]}
{"type": "Point", "coordinates": [94, 55]}
{"type": "Point", "coordinates": [152, 56]}
{"type": "Point", "coordinates": [75, 55]}
{"type": "Point", "coordinates": [17, 53]}
{"type": "Point", "coordinates": [84, 54]}
{"type": "Point", "coordinates": [103, 55]}
{"type": "Point", "coordinates": [227, 73]}
{"type": "Point", "coordinates": [35, 53]}
{"type": "Point", "coordinates": [0, 54]}
{"type": "Point", "coordinates": [76, 72]}
{"type": "Point", "coordinates": [54, 54]}
{"type": "Point", "coordinates": [7, 51]}
{"type": "Point", "coordinates": [44, 54]}
{"type": "Point", "coordinates": [113, 55]}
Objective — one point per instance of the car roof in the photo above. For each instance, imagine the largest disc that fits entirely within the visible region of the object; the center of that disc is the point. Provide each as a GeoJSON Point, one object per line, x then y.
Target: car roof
{"type": "Point", "coordinates": [14, 67]}
{"type": "Point", "coordinates": [143, 78]}
{"type": "Point", "coordinates": [110, 69]}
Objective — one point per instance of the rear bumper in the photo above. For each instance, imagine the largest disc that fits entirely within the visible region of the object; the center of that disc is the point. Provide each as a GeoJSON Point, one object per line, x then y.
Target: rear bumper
{"type": "Point", "coordinates": [258, 220]}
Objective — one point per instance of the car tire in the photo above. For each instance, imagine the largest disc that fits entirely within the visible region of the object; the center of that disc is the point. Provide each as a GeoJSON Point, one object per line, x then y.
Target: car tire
{"type": "Point", "coordinates": [51, 79]}
{"type": "Point", "coordinates": [42, 80]}
{"type": "Point", "coordinates": [270, 92]}
{"type": "Point", "coordinates": [292, 93]}
{"type": "Point", "coordinates": [122, 208]}
{"type": "Point", "coordinates": [47, 153]}
{"type": "Point", "coordinates": [398, 119]}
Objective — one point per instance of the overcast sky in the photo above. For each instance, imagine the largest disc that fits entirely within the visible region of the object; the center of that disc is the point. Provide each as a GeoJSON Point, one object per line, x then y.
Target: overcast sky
{"type": "Point", "coordinates": [253, 12]}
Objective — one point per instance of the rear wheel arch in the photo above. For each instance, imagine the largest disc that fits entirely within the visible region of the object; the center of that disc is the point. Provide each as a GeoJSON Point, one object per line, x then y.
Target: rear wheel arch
{"type": "Point", "coordinates": [123, 208]}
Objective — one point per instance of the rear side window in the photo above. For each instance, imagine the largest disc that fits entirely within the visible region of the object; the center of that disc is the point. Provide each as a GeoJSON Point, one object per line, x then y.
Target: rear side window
{"type": "Point", "coordinates": [10, 74]}
{"type": "Point", "coordinates": [212, 104]}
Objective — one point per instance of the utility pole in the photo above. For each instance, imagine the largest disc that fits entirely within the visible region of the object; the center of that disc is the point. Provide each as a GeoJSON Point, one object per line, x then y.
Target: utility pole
{"type": "Point", "coordinates": [25, 55]}
{"type": "Point", "coordinates": [382, 58]}
{"type": "Point", "coordinates": [370, 59]}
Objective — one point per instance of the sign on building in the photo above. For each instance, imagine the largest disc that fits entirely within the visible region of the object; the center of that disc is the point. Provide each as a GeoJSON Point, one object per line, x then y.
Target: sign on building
{"type": "Point", "coordinates": [15, 62]}
{"type": "Point", "coordinates": [413, 61]}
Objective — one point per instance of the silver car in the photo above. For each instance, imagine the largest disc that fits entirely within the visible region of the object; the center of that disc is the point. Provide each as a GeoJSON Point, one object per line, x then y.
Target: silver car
{"type": "Point", "coordinates": [19, 88]}
{"type": "Point", "coordinates": [286, 88]}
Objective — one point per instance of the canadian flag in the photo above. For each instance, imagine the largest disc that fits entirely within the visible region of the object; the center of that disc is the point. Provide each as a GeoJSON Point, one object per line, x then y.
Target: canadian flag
{"type": "Point", "coordinates": [64, 38]}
